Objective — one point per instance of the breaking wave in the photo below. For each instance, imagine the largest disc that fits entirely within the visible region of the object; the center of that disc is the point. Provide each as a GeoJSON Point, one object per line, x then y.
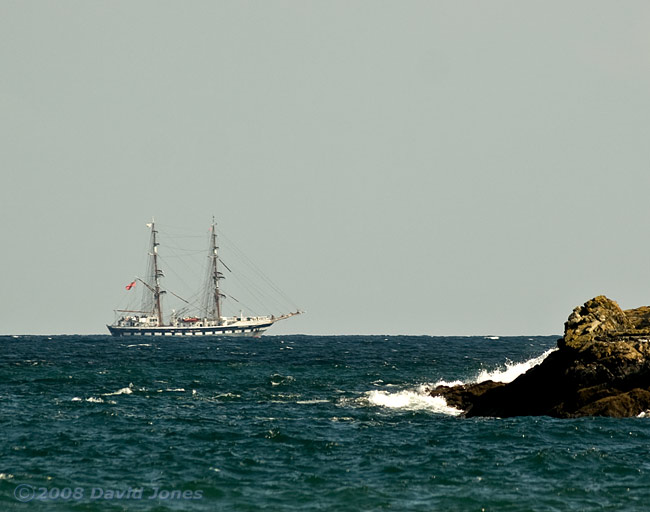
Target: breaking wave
{"type": "Point", "coordinates": [512, 370]}
{"type": "Point", "coordinates": [419, 398]}
{"type": "Point", "coordinates": [123, 391]}
{"type": "Point", "coordinates": [411, 400]}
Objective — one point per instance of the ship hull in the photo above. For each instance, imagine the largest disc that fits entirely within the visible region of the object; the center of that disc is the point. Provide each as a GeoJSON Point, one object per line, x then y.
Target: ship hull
{"type": "Point", "coordinates": [253, 331]}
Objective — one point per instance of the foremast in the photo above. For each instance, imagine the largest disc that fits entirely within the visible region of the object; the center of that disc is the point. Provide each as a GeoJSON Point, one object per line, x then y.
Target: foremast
{"type": "Point", "coordinates": [157, 273]}
{"type": "Point", "coordinates": [215, 277]}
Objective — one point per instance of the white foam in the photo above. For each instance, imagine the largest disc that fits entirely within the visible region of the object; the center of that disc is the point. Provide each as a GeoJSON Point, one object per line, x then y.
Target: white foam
{"type": "Point", "coordinates": [410, 400]}
{"type": "Point", "coordinates": [420, 399]}
{"type": "Point", "coordinates": [448, 384]}
{"type": "Point", "coordinates": [512, 370]}
{"type": "Point", "coordinates": [92, 400]}
{"type": "Point", "coordinates": [277, 379]}
{"type": "Point", "coordinates": [227, 395]}
{"type": "Point", "coordinates": [124, 391]}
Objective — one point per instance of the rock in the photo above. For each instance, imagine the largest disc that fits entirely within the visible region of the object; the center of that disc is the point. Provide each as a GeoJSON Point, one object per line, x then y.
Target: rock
{"type": "Point", "coordinates": [601, 368]}
{"type": "Point", "coordinates": [597, 318]}
{"type": "Point", "coordinates": [462, 397]}
{"type": "Point", "coordinates": [623, 405]}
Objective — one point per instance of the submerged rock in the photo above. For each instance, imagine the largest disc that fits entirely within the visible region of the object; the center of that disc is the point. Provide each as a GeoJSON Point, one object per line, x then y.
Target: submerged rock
{"type": "Point", "coordinates": [601, 368]}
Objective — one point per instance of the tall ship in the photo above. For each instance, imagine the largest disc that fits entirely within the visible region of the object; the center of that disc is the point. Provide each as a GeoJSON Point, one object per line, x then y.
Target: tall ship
{"type": "Point", "coordinates": [194, 319]}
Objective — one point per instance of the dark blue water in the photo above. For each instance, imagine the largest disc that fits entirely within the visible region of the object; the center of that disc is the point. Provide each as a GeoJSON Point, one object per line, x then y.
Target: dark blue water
{"type": "Point", "coordinates": [292, 423]}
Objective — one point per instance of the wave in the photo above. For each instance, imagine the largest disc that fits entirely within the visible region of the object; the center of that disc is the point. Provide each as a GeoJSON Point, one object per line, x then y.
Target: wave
{"type": "Point", "coordinates": [277, 379]}
{"type": "Point", "coordinates": [409, 400]}
{"type": "Point", "coordinates": [91, 399]}
{"type": "Point", "coordinates": [419, 398]}
{"type": "Point", "coordinates": [511, 371]}
{"type": "Point", "coordinates": [123, 391]}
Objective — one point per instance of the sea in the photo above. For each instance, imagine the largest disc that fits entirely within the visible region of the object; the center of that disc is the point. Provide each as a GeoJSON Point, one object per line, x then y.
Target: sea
{"type": "Point", "coordinates": [295, 423]}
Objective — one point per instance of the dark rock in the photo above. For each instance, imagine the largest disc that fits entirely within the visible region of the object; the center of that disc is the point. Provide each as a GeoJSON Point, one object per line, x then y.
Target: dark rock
{"type": "Point", "coordinates": [622, 405]}
{"type": "Point", "coordinates": [462, 397]}
{"type": "Point", "coordinates": [601, 368]}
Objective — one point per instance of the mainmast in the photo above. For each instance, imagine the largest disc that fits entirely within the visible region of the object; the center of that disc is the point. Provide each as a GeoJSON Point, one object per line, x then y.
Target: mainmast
{"type": "Point", "coordinates": [215, 275]}
{"type": "Point", "coordinates": [157, 274]}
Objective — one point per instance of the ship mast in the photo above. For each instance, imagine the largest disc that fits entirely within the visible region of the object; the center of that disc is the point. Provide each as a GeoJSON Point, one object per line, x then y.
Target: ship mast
{"type": "Point", "coordinates": [215, 275]}
{"type": "Point", "coordinates": [157, 274]}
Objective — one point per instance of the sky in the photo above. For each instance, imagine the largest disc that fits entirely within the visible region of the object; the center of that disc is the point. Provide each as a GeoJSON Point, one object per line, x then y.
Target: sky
{"type": "Point", "coordinates": [414, 167]}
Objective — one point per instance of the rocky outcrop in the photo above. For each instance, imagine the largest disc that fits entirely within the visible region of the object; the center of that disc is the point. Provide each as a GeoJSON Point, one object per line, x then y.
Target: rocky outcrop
{"type": "Point", "coordinates": [598, 319]}
{"type": "Point", "coordinates": [601, 368]}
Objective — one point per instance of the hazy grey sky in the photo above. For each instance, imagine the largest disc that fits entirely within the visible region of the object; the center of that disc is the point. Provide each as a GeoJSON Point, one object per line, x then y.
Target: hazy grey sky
{"type": "Point", "coordinates": [414, 167]}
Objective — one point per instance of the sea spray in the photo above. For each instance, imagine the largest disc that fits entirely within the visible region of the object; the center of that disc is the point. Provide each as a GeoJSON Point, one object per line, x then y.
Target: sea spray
{"type": "Point", "coordinates": [411, 401]}
{"type": "Point", "coordinates": [511, 371]}
{"type": "Point", "coordinates": [420, 399]}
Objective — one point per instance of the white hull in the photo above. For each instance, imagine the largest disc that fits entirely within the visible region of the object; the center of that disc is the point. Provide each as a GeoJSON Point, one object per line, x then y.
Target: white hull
{"type": "Point", "coordinates": [249, 330]}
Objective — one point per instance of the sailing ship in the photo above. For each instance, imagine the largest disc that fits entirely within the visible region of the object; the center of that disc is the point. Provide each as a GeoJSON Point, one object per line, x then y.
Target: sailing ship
{"type": "Point", "coordinates": [208, 321]}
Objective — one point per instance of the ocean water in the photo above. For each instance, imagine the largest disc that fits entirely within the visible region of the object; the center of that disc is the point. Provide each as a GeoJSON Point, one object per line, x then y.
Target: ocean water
{"type": "Point", "coordinates": [340, 423]}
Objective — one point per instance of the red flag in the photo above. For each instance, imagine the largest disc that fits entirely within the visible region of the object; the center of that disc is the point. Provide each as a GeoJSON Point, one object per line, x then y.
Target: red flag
{"type": "Point", "coordinates": [130, 285]}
